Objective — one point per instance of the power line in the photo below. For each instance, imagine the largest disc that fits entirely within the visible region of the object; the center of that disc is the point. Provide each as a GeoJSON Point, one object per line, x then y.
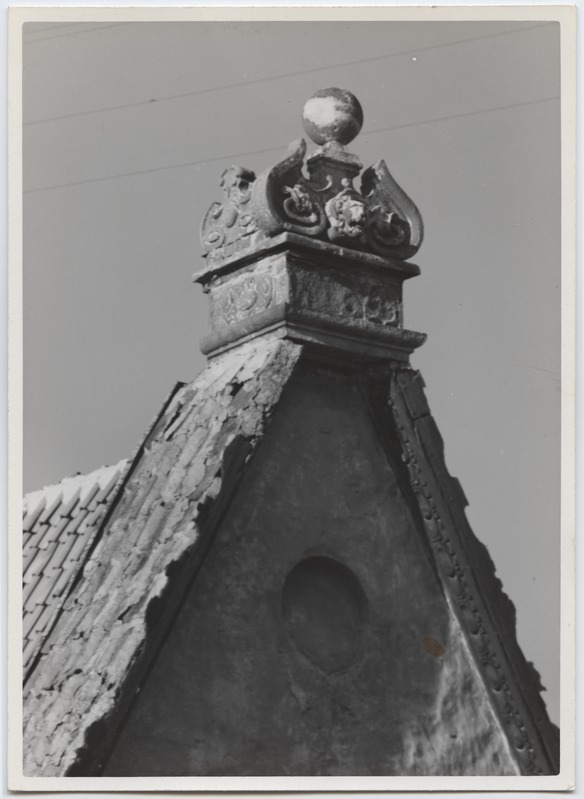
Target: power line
{"type": "Point", "coordinates": [239, 84]}
{"type": "Point", "coordinates": [465, 114]}
{"type": "Point", "coordinates": [49, 27]}
{"type": "Point", "coordinates": [77, 32]}
{"type": "Point", "coordinates": [283, 147]}
{"type": "Point", "coordinates": [154, 169]}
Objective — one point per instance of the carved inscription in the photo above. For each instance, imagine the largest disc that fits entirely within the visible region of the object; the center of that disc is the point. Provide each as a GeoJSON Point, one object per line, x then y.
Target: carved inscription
{"type": "Point", "coordinates": [380, 309]}
{"type": "Point", "coordinates": [248, 297]}
{"type": "Point", "coordinates": [359, 302]}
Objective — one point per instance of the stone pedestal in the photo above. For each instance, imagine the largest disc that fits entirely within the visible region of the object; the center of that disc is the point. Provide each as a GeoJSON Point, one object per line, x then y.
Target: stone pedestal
{"type": "Point", "coordinates": [310, 291]}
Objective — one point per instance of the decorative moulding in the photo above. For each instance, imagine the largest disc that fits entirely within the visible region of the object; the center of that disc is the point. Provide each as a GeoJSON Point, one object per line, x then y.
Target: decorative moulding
{"type": "Point", "coordinates": [299, 252]}
{"type": "Point", "coordinates": [379, 219]}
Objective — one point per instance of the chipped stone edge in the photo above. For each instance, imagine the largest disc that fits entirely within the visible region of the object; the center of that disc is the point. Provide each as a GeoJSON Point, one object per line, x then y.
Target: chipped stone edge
{"type": "Point", "coordinates": [91, 711]}
{"type": "Point", "coordinates": [519, 707]}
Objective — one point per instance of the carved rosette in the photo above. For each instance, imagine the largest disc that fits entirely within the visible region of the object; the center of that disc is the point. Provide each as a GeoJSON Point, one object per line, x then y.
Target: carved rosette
{"type": "Point", "coordinates": [380, 219]}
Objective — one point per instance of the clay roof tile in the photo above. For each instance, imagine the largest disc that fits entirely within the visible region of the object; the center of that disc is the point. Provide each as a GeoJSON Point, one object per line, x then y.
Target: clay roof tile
{"type": "Point", "coordinates": [60, 523]}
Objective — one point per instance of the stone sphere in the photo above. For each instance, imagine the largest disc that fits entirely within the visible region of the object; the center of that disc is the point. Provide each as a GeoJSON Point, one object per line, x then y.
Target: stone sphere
{"type": "Point", "coordinates": [332, 115]}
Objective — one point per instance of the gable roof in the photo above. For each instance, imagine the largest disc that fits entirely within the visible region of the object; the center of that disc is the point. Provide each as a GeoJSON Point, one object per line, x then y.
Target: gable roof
{"type": "Point", "coordinates": [59, 523]}
{"type": "Point", "coordinates": [173, 494]}
{"type": "Point", "coordinates": [170, 499]}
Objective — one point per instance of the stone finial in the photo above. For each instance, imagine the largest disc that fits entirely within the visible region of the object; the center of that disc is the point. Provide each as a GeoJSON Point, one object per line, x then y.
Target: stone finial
{"type": "Point", "coordinates": [332, 115]}
{"type": "Point", "coordinates": [380, 219]}
{"type": "Point", "coordinates": [299, 252]}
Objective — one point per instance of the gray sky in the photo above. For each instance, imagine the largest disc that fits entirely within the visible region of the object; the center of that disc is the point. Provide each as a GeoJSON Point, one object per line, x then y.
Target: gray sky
{"type": "Point", "coordinates": [127, 129]}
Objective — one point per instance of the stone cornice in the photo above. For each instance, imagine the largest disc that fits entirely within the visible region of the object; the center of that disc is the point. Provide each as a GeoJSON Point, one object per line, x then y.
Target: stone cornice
{"type": "Point", "coordinates": [310, 249]}
{"type": "Point", "coordinates": [312, 292]}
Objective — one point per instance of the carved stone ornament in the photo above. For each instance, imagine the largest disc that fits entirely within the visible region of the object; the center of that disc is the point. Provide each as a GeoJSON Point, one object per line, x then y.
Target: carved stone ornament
{"type": "Point", "coordinates": [379, 219]}
{"type": "Point", "coordinates": [249, 296]}
{"type": "Point", "coordinates": [347, 214]}
{"type": "Point", "coordinates": [230, 220]}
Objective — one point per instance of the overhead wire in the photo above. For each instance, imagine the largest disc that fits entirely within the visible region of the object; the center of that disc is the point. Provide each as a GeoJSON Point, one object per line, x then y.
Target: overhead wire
{"type": "Point", "coordinates": [48, 27]}
{"type": "Point", "coordinates": [283, 147]}
{"type": "Point", "coordinates": [75, 32]}
{"type": "Point", "coordinates": [255, 81]}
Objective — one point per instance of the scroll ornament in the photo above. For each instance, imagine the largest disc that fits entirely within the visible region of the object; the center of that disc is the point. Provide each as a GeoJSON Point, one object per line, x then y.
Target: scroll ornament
{"type": "Point", "coordinates": [232, 219]}
{"type": "Point", "coordinates": [379, 219]}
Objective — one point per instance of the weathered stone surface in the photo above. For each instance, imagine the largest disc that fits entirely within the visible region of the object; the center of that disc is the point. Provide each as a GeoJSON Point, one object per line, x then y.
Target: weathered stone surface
{"type": "Point", "coordinates": [300, 284]}
{"type": "Point", "coordinates": [114, 616]}
{"type": "Point", "coordinates": [332, 115]}
{"type": "Point", "coordinates": [248, 292]}
{"type": "Point", "coordinates": [410, 664]}
{"type": "Point", "coordinates": [379, 219]}
{"type": "Point", "coordinates": [316, 638]}
{"type": "Point", "coordinates": [485, 612]}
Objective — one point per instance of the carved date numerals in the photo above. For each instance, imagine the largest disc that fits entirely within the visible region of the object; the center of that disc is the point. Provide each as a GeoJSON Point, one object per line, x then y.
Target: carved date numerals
{"type": "Point", "coordinates": [250, 296]}
{"type": "Point", "coordinates": [381, 309]}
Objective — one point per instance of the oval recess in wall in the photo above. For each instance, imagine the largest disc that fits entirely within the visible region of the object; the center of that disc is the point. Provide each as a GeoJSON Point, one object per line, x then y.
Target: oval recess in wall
{"type": "Point", "coordinates": [325, 611]}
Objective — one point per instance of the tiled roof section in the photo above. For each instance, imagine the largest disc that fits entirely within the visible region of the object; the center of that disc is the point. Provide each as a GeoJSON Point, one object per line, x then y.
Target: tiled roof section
{"type": "Point", "coordinates": [190, 464]}
{"type": "Point", "coordinates": [59, 523]}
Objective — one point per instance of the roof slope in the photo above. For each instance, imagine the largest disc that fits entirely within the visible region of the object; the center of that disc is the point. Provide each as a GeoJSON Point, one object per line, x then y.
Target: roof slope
{"type": "Point", "coordinates": [173, 495]}
{"type": "Point", "coordinates": [59, 524]}
{"type": "Point", "coordinates": [468, 575]}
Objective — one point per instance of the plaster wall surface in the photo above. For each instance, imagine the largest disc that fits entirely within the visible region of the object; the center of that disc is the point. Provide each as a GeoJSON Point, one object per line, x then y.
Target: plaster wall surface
{"type": "Point", "coordinates": [316, 638]}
